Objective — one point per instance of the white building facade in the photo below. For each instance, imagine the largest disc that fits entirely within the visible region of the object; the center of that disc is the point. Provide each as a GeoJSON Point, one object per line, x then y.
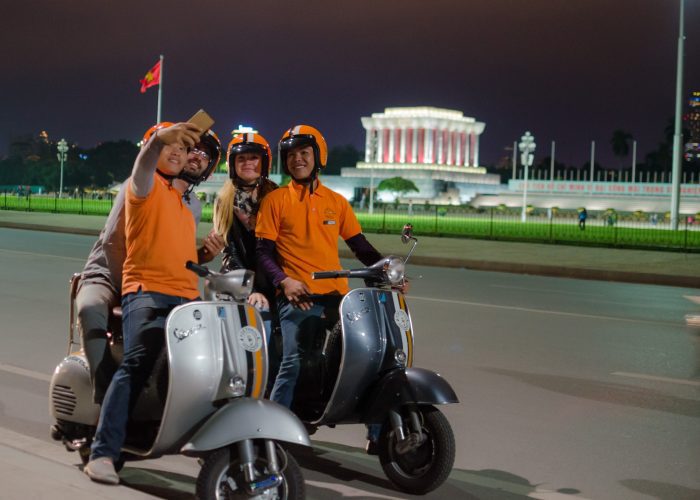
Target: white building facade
{"type": "Point", "coordinates": [422, 136]}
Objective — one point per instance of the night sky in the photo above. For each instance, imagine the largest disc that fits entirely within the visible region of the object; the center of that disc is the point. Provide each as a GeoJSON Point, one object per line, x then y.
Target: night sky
{"type": "Point", "coordinates": [567, 70]}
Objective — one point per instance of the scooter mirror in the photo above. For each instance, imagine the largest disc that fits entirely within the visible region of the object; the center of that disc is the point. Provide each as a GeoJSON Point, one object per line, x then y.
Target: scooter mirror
{"type": "Point", "coordinates": [407, 233]}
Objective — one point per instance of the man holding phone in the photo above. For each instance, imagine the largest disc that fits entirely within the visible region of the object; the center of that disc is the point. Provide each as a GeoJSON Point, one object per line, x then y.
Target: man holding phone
{"type": "Point", "coordinates": [160, 239]}
{"type": "Point", "coordinates": [101, 280]}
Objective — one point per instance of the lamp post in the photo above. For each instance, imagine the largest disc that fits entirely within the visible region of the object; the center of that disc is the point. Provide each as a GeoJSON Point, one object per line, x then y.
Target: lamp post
{"type": "Point", "coordinates": [526, 147]}
{"type": "Point", "coordinates": [62, 150]}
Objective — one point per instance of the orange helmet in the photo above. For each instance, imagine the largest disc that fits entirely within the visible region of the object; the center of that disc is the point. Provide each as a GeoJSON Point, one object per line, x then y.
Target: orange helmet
{"type": "Point", "coordinates": [249, 142]}
{"type": "Point", "coordinates": [304, 135]}
{"type": "Point", "coordinates": [155, 127]}
{"type": "Point", "coordinates": [210, 143]}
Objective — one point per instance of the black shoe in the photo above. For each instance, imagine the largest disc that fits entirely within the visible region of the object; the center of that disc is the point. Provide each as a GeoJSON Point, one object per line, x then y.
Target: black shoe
{"type": "Point", "coordinates": [372, 448]}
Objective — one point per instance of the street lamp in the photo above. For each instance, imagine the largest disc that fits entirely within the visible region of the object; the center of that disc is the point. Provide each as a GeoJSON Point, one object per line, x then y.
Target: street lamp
{"type": "Point", "coordinates": [62, 150]}
{"type": "Point", "coordinates": [526, 147]}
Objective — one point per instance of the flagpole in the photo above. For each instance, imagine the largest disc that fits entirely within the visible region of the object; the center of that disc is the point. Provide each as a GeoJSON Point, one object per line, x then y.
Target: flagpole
{"type": "Point", "coordinates": [160, 90]}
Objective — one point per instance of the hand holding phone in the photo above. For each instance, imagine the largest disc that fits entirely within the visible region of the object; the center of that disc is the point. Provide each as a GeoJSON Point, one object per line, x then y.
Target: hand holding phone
{"type": "Point", "coordinates": [202, 120]}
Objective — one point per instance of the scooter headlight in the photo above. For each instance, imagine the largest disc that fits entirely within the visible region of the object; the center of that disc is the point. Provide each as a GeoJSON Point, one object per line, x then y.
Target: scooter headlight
{"type": "Point", "coordinates": [394, 268]}
{"type": "Point", "coordinates": [237, 284]}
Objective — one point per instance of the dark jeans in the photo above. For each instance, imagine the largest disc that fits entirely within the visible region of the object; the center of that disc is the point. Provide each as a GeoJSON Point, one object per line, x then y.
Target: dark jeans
{"type": "Point", "coordinates": [143, 318]}
{"type": "Point", "coordinates": [293, 322]}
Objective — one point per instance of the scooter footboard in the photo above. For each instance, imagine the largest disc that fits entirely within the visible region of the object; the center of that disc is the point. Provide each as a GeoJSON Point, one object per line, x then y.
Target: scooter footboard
{"type": "Point", "coordinates": [247, 418]}
{"type": "Point", "coordinates": [412, 385]}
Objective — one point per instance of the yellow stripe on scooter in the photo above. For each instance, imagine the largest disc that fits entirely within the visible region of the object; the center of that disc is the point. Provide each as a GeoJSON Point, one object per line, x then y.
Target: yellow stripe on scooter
{"type": "Point", "coordinates": [257, 387]}
{"type": "Point", "coordinates": [409, 334]}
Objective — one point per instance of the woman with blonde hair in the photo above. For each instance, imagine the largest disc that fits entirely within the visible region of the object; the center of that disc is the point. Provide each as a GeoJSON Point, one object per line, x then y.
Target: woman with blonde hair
{"type": "Point", "coordinates": [236, 209]}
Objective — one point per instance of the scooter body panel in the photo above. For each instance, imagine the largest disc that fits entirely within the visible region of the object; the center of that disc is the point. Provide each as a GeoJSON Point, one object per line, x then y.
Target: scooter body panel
{"type": "Point", "coordinates": [247, 418]}
{"type": "Point", "coordinates": [70, 393]}
{"type": "Point", "coordinates": [377, 336]}
{"type": "Point", "coordinates": [210, 345]}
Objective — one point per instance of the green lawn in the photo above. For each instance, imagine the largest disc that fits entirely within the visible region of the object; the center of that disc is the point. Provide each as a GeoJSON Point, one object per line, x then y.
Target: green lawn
{"type": "Point", "coordinates": [452, 221]}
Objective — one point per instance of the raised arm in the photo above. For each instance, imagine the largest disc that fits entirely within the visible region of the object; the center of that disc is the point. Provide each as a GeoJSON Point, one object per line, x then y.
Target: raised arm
{"type": "Point", "coordinates": [184, 135]}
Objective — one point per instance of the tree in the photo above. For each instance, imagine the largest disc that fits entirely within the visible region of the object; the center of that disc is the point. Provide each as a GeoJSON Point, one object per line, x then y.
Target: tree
{"type": "Point", "coordinates": [620, 143]}
{"type": "Point", "coordinates": [397, 185]}
{"type": "Point", "coordinates": [341, 156]}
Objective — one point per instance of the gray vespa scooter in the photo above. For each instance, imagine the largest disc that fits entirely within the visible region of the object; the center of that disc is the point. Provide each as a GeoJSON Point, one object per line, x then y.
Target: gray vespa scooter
{"type": "Point", "coordinates": [362, 371]}
{"type": "Point", "coordinates": [203, 399]}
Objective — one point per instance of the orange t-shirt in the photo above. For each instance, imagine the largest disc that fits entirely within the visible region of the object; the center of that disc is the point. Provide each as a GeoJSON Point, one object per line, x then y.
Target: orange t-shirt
{"type": "Point", "coordinates": [160, 239]}
{"type": "Point", "coordinates": [305, 230]}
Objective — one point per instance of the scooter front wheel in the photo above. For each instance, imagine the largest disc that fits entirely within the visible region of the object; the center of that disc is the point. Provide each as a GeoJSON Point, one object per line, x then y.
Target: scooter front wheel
{"type": "Point", "coordinates": [221, 477]}
{"type": "Point", "coordinates": [420, 470]}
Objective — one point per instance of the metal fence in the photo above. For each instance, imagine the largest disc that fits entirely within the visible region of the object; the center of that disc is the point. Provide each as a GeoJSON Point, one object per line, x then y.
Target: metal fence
{"type": "Point", "coordinates": [605, 228]}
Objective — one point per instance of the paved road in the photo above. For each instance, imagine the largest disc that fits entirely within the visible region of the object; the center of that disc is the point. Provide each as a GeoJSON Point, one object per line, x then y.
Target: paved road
{"type": "Point", "coordinates": [569, 388]}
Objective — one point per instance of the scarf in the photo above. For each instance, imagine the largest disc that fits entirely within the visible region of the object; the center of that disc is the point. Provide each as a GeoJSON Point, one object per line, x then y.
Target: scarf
{"type": "Point", "coordinates": [245, 207]}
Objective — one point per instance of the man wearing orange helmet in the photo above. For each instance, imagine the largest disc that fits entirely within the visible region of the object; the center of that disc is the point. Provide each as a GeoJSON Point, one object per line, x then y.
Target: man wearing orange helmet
{"type": "Point", "coordinates": [99, 290]}
{"type": "Point", "coordinates": [160, 239]}
{"type": "Point", "coordinates": [298, 229]}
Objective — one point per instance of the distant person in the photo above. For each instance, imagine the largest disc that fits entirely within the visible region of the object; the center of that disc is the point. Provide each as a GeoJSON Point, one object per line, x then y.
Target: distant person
{"type": "Point", "coordinates": [654, 219]}
{"type": "Point", "coordinates": [582, 216]}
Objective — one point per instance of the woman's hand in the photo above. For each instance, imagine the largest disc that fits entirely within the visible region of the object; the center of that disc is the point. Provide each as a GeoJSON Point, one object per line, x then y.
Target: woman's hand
{"type": "Point", "coordinates": [259, 301]}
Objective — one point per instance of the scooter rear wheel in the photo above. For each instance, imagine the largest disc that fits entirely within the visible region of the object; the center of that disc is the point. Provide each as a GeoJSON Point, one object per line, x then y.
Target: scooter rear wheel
{"type": "Point", "coordinates": [421, 470]}
{"type": "Point", "coordinates": [220, 477]}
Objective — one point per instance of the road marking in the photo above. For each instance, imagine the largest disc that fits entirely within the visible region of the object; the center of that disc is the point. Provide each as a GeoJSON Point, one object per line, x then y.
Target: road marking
{"type": "Point", "coordinates": [542, 311]}
{"type": "Point", "coordinates": [24, 372]}
{"type": "Point", "coordinates": [655, 378]}
{"type": "Point", "coordinates": [34, 254]}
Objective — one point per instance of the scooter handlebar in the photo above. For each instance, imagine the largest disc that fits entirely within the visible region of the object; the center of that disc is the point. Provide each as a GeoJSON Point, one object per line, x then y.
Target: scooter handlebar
{"type": "Point", "coordinates": [365, 273]}
{"type": "Point", "coordinates": [201, 271]}
{"type": "Point", "coordinates": [324, 275]}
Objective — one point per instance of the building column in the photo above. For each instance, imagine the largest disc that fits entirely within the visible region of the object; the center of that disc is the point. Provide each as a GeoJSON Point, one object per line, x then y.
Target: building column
{"type": "Point", "coordinates": [440, 136]}
{"type": "Point", "coordinates": [398, 136]}
{"type": "Point", "coordinates": [404, 145]}
{"type": "Point", "coordinates": [476, 150]}
{"type": "Point", "coordinates": [421, 146]}
{"type": "Point", "coordinates": [414, 146]}
{"type": "Point", "coordinates": [450, 144]}
{"type": "Point", "coordinates": [392, 145]}
{"type": "Point", "coordinates": [368, 146]}
{"type": "Point", "coordinates": [428, 144]}
{"type": "Point", "coordinates": [467, 149]}
{"type": "Point", "coordinates": [458, 148]}
{"type": "Point", "coordinates": [380, 146]}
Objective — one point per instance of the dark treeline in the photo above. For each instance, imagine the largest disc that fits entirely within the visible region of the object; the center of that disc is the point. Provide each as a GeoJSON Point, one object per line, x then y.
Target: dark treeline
{"type": "Point", "coordinates": [95, 168]}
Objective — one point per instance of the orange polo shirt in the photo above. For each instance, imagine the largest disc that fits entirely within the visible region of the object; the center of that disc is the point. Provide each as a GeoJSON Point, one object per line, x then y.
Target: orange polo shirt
{"type": "Point", "coordinates": [160, 239]}
{"type": "Point", "coordinates": [305, 230]}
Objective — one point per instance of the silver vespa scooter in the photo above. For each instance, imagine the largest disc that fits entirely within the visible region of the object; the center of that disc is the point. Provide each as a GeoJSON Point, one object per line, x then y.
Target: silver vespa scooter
{"type": "Point", "coordinates": [360, 369]}
{"type": "Point", "coordinates": [203, 399]}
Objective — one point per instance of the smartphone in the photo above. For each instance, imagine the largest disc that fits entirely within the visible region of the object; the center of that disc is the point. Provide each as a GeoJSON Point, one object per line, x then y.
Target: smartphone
{"type": "Point", "coordinates": [202, 119]}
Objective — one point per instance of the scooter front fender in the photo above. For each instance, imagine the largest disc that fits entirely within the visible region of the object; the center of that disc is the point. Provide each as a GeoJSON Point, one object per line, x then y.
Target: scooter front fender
{"type": "Point", "coordinates": [410, 386]}
{"type": "Point", "coordinates": [247, 418]}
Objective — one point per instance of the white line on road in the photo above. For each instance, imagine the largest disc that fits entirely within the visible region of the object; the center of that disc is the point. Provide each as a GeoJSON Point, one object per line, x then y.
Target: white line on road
{"type": "Point", "coordinates": [24, 372]}
{"type": "Point", "coordinates": [543, 311]}
{"type": "Point", "coordinates": [34, 254]}
{"type": "Point", "coordinates": [658, 379]}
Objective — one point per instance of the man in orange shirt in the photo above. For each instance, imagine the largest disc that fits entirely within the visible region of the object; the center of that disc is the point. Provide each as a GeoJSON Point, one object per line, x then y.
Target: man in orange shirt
{"type": "Point", "coordinates": [160, 239]}
{"type": "Point", "coordinates": [297, 229]}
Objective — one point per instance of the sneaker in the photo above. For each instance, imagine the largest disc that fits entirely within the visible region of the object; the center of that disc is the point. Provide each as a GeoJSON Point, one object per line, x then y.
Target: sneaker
{"type": "Point", "coordinates": [101, 470]}
{"type": "Point", "coordinates": [372, 447]}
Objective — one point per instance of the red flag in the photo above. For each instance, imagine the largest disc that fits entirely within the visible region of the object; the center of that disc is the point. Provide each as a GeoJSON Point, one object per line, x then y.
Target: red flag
{"type": "Point", "coordinates": [152, 78]}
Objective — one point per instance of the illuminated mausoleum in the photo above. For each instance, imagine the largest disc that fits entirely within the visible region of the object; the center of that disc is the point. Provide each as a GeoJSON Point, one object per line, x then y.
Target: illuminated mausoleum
{"type": "Point", "coordinates": [437, 149]}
